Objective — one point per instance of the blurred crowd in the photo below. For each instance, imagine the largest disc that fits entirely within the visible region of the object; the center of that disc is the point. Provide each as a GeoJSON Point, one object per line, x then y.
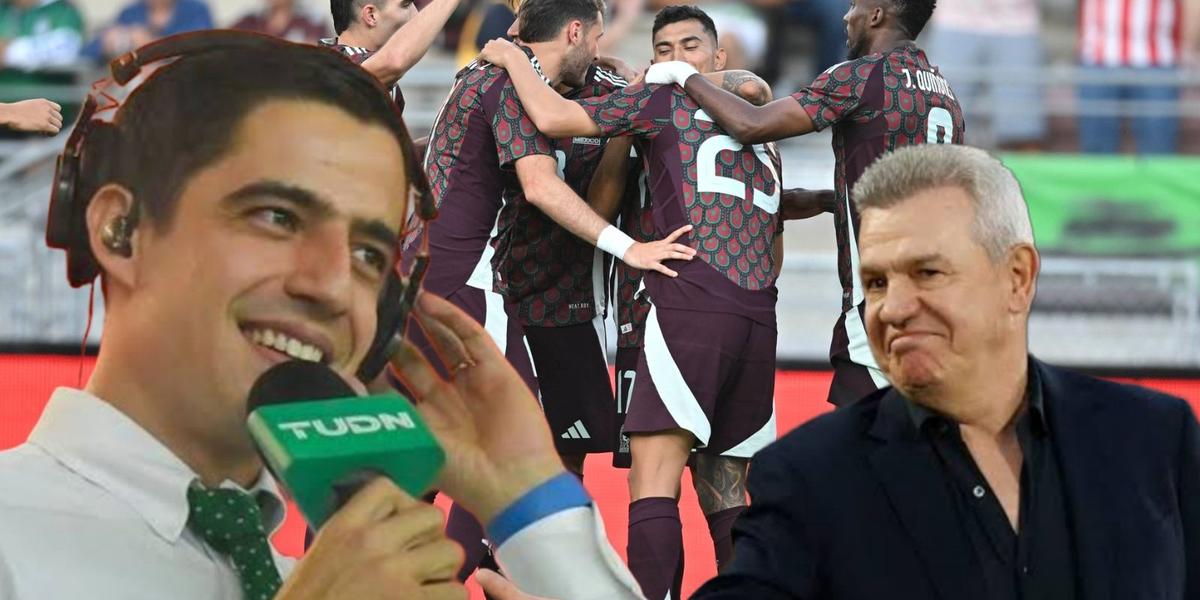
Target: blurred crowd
{"type": "Point", "coordinates": [1134, 59]}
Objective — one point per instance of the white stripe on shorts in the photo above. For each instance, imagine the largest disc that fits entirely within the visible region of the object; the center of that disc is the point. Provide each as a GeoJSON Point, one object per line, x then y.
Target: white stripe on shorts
{"type": "Point", "coordinates": [671, 386]}
{"type": "Point", "coordinates": [860, 348]}
{"type": "Point", "coordinates": [759, 440]}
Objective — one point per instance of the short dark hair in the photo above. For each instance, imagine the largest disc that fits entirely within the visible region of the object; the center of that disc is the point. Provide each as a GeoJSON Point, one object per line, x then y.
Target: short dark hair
{"type": "Point", "coordinates": [913, 15]}
{"type": "Point", "coordinates": [344, 12]}
{"type": "Point", "coordinates": [675, 14]}
{"type": "Point", "coordinates": [184, 116]}
{"type": "Point", "coordinates": [541, 20]}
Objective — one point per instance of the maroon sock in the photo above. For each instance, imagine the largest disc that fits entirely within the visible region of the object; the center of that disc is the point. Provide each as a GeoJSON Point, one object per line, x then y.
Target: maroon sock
{"type": "Point", "coordinates": [720, 524]}
{"type": "Point", "coordinates": [462, 527]}
{"type": "Point", "coordinates": [655, 546]}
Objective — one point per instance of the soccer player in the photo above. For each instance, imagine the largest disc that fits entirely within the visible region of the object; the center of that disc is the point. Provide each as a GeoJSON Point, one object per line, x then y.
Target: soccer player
{"type": "Point", "coordinates": [387, 37]}
{"type": "Point", "coordinates": [556, 282]}
{"type": "Point", "coordinates": [886, 96]}
{"type": "Point", "coordinates": [485, 153]}
{"type": "Point", "coordinates": [705, 377]}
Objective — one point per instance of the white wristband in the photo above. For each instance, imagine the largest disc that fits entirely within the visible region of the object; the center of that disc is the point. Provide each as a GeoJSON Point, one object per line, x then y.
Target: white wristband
{"type": "Point", "coordinates": [614, 241]}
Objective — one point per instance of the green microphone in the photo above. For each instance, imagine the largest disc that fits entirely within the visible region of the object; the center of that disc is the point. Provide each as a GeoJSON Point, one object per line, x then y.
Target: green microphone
{"type": "Point", "coordinates": [323, 442]}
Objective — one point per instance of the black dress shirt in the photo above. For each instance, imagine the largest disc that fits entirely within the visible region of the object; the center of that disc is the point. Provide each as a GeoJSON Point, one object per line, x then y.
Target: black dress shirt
{"type": "Point", "coordinates": [1037, 561]}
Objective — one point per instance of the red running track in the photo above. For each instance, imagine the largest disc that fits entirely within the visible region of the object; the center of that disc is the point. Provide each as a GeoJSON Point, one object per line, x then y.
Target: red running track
{"type": "Point", "coordinates": [26, 382]}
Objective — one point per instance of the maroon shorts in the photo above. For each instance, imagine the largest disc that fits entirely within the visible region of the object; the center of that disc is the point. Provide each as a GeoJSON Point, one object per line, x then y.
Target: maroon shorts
{"type": "Point", "coordinates": [576, 393]}
{"type": "Point", "coordinates": [712, 374]}
{"type": "Point", "coordinates": [498, 318]}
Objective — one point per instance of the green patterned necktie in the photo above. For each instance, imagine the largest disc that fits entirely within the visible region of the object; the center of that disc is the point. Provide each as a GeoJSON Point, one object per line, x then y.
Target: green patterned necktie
{"type": "Point", "coordinates": [231, 523]}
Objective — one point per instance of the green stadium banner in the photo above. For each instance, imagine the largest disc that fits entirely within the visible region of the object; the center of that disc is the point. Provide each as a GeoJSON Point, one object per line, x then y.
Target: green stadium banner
{"type": "Point", "coordinates": [1115, 206]}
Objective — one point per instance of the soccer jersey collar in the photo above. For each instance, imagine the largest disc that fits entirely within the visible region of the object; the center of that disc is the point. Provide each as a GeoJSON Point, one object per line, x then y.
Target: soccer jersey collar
{"type": "Point", "coordinates": [537, 65]}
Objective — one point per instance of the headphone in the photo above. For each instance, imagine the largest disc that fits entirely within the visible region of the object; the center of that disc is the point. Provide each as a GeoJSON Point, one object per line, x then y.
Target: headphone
{"type": "Point", "coordinates": [66, 224]}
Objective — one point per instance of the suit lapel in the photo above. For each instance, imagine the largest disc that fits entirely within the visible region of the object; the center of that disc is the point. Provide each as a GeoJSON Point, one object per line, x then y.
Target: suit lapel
{"type": "Point", "coordinates": [910, 473]}
{"type": "Point", "coordinates": [1088, 479]}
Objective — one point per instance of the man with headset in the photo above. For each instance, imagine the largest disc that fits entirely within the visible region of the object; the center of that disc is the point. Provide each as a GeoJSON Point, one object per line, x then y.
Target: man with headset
{"type": "Point", "coordinates": [218, 205]}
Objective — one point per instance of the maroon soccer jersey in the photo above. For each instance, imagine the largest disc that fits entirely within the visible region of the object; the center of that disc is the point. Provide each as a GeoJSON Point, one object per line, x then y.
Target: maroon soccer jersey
{"type": "Point", "coordinates": [479, 133]}
{"type": "Point", "coordinates": [876, 104]}
{"type": "Point", "coordinates": [555, 277]}
{"type": "Point", "coordinates": [358, 55]}
{"type": "Point", "coordinates": [700, 176]}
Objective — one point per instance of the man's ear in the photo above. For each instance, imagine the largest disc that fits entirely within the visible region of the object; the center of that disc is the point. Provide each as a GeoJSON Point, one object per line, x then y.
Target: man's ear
{"type": "Point", "coordinates": [1024, 263]}
{"type": "Point", "coordinates": [719, 59]}
{"type": "Point", "coordinates": [112, 224]}
{"type": "Point", "coordinates": [574, 32]}
{"type": "Point", "coordinates": [878, 14]}
{"type": "Point", "coordinates": [369, 15]}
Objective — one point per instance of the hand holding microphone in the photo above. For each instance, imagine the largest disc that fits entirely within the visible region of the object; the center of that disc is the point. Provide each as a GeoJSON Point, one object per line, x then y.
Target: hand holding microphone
{"type": "Point", "coordinates": [382, 544]}
{"type": "Point", "coordinates": [353, 465]}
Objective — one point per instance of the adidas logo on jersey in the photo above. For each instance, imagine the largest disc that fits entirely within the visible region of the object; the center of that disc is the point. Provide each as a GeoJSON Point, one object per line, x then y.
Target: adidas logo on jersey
{"type": "Point", "coordinates": [577, 432]}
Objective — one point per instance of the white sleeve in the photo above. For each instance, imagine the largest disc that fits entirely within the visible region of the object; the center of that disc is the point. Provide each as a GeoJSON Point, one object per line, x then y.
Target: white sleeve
{"type": "Point", "coordinates": [55, 48]}
{"type": "Point", "coordinates": [567, 556]}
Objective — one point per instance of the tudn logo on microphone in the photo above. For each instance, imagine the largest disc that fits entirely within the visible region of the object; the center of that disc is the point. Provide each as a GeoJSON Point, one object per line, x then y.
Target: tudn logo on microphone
{"type": "Point", "coordinates": [354, 425]}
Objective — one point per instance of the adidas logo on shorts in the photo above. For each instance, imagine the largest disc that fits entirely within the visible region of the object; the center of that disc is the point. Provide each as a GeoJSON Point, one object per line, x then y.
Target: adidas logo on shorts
{"type": "Point", "coordinates": [577, 432]}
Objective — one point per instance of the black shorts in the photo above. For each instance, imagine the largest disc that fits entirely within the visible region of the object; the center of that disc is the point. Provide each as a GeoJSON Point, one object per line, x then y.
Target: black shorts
{"type": "Point", "coordinates": [626, 374]}
{"type": "Point", "coordinates": [576, 393]}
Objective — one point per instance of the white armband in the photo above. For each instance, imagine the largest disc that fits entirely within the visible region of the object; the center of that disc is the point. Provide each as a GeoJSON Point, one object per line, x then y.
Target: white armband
{"type": "Point", "coordinates": [614, 241]}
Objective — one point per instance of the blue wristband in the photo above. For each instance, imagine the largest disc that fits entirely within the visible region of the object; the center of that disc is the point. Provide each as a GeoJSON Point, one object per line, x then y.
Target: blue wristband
{"type": "Point", "coordinates": [555, 495]}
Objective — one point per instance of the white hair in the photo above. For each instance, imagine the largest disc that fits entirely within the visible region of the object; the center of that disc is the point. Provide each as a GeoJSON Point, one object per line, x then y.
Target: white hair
{"type": "Point", "coordinates": [1001, 217]}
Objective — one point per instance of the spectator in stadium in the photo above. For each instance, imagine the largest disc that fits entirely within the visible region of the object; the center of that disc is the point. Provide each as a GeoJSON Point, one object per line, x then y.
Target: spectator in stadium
{"type": "Point", "coordinates": [37, 34]}
{"type": "Point", "coordinates": [34, 116]}
{"type": "Point", "coordinates": [992, 52]}
{"type": "Point", "coordinates": [388, 37]}
{"type": "Point", "coordinates": [1130, 54]}
{"type": "Point", "coordinates": [823, 18]}
{"type": "Point", "coordinates": [489, 20]}
{"type": "Point", "coordinates": [250, 223]}
{"type": "Point", "coordinates": [144, 21]}
{"type": "Point", "coordinates": [283, 19]}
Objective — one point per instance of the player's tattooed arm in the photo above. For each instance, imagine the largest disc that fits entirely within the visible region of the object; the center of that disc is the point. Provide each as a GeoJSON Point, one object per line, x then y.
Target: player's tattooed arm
{"type": "Point", "coordinates": [608, 183]}
{"type": "Point", "coordinates": [552, 114]}
{"type": "Point", "coordinates": [720, 482]}
{"type": "Point", "coordinates": [747, 123]}
{"type": "Point", "coordinates": [745, 84]}
{"type": "Point", "coordinates": [799, 203]}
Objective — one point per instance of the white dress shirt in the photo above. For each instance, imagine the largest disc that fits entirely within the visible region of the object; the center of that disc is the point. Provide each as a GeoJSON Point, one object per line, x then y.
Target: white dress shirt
{"type": "Point", "coordinates": [92, 506]}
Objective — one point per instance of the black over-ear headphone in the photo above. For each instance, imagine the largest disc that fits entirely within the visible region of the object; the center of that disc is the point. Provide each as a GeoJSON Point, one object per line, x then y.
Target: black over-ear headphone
{"type": "Point", "coordinates": [66, 225]}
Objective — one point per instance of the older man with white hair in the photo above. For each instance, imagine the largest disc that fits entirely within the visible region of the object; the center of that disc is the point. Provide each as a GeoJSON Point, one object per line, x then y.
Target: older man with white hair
{"type": "Point", "coordinates": [983, 472]}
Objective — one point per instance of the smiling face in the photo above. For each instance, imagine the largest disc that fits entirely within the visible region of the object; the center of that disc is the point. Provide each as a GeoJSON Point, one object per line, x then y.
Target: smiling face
{"type": "Point", "coordinates": [689, 42]}
{"type": "Point", "coordinates": [281, 242]}
{"type": "Point", "coordinates": [938, 307]}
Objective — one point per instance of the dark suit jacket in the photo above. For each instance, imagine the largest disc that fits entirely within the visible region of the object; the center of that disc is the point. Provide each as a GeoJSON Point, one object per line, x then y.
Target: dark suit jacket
{"type": "Point", "coordinates": [851, 505]}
